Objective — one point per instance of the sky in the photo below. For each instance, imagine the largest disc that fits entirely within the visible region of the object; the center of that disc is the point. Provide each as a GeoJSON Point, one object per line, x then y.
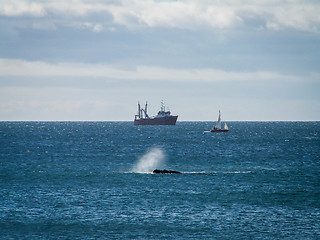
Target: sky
{"type": "Point", "coordinates": [93, 60]}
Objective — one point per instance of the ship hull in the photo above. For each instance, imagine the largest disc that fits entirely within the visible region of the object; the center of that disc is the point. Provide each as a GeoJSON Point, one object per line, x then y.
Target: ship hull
{"type": "Point", "coordinates": [157, 121]}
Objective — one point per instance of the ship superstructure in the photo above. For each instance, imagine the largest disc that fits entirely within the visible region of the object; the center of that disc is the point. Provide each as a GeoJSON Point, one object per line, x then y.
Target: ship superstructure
{"type": "Point", "coordinates": [162, 118]}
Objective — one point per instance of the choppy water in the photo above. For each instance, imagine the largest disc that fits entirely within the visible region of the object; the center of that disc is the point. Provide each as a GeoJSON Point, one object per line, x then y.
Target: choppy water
{"type": "Point", "coordinates": [92, 180]}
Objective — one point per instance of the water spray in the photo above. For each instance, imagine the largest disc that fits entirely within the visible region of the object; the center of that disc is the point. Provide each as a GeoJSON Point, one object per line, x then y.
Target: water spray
{"type": "Point", "coordinates": [153, 159]}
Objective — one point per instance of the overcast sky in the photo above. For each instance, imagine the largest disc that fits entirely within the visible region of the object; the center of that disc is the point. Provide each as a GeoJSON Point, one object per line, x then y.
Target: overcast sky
{"type": "Point", "coordinates": [94, 60]}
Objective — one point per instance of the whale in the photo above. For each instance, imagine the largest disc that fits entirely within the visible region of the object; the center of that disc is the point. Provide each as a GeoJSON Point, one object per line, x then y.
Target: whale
{"type": "Point", "coordinates": [165, 171]}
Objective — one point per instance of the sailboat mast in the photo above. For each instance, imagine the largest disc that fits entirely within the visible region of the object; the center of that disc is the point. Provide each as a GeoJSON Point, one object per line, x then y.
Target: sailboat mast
{"type": "Point", "coordinates": [218, 125]}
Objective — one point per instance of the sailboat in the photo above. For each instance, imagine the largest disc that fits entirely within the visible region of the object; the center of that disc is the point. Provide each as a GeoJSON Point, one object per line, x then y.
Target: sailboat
{"type": "Point", "coordinates": [217, 127]}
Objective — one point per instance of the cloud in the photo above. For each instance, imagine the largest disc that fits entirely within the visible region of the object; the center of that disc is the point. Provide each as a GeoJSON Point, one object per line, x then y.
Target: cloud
{"type": "Point", "coordinates": [185, 15]}
{"type": "Point", "coordinates": [16, 8]}
{"type": "Point", "coordinates": [24, 69]}
{"type": "Point", "coordinates": [274, 15]}
{"type": "Point", "coordinates": [298, 16]}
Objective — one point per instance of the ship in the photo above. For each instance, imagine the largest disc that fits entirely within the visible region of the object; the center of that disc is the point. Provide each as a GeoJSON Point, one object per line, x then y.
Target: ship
{"type": "Point", "coordinates": [218, 128]}
{"type": "Point", "coordinates": [162, 118]}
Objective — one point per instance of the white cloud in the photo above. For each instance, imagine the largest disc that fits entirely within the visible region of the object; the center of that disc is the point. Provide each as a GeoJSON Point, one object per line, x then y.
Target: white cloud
{"type": "Point", "coordinates": [20, 68]}
{"type": "Point", "coordinates": [301, 16]}
{"type": "Point", "coordinates": [187, 15]}
{"type": "Point", "coordinates": [277, 14]}
{"type": "Point", "coordinates": [97, 28]}
{"type": "Point", "coordinates": [15, 8]}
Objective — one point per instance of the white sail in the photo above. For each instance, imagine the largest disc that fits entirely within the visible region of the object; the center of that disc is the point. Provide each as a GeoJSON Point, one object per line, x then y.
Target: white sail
{"type": "Point", "coordinates": [226, 126]}
{"type": "Point", "coordinates": [218, 125]}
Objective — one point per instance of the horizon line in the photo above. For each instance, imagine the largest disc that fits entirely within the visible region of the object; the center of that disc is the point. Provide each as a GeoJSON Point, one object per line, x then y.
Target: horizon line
{"type": "Point", "coordinates": [177, 121]}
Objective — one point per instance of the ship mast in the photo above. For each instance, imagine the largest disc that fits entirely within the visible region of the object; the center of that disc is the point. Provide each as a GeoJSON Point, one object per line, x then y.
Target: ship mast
{"type": "Point", "coordinates": [163, 108]}
{"type": "Point", "coordinates": [146, 110]}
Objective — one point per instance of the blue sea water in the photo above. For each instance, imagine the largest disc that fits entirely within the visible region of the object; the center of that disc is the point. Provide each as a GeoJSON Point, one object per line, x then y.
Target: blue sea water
{"type": "Point", "coordinates": [93, 180]}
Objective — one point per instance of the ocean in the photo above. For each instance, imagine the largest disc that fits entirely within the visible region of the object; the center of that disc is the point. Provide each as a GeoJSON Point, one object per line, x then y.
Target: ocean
{"type": "Point", "coordinates": [93, 180]}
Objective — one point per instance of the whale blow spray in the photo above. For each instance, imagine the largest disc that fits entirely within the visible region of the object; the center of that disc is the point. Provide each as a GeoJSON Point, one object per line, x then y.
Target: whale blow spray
{"type": "Point", "coordinates": [153, 159]}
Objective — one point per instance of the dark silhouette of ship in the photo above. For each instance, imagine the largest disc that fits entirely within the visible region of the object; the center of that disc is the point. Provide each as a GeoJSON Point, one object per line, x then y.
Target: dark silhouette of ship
{"type": "Point", "coordinates": [162, 118]}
